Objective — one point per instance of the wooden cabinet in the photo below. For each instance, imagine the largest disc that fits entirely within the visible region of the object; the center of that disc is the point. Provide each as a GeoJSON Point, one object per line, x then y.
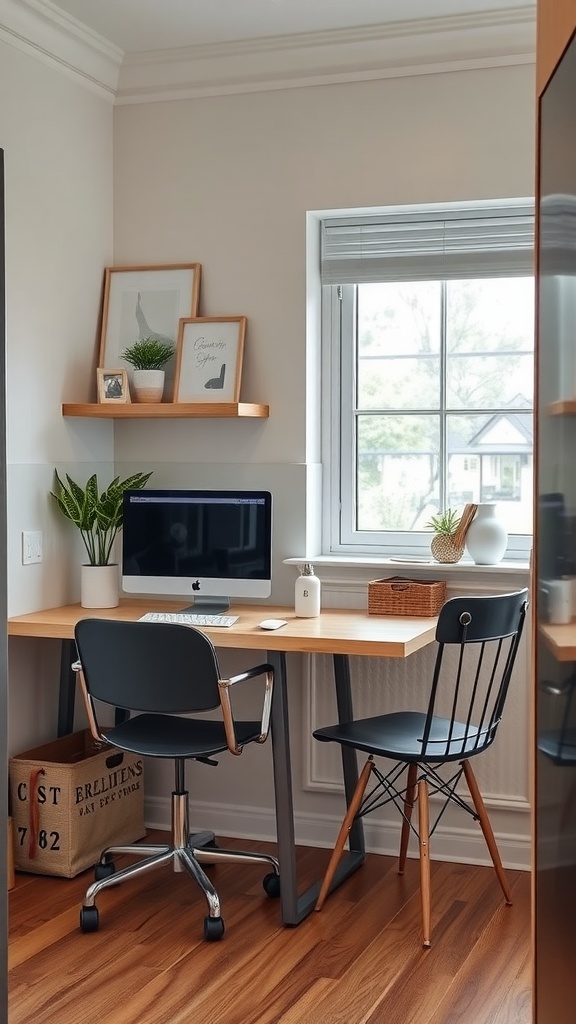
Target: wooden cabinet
{"type": "Point", "coordinates": [555, 520]}
{"type": "Point", "coordinates": [555, 24]}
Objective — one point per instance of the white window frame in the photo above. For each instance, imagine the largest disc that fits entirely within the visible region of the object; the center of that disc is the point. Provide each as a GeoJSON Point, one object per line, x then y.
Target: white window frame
{"type": "Point", "coordinates": [338, 454]}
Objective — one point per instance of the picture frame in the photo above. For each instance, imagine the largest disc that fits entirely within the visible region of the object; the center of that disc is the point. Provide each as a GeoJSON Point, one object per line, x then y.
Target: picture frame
{"type": "Point", "coordinates": [112, 385]}
{"type": "Point", "coordinates": [146, 301]}
{"type": "Point", "coordinates": [209, 359]}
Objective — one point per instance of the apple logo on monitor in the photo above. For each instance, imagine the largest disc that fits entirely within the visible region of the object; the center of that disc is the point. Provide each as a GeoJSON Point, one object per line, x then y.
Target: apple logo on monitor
{"type": "Point", "coordinates": [196, 585]}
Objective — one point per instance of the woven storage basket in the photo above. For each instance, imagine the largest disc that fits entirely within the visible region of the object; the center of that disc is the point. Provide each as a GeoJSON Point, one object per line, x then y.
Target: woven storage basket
{"type": "Point", "coordinates": [399, 596]}
{"type": "Point", "coordinates": [70, 799]}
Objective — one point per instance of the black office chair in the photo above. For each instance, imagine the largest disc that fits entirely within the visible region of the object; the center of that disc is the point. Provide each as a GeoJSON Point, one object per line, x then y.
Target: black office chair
{"type": "Point", "coordinates": [166, 671]}
{"type": "Point", "coordinates": [478, 639]}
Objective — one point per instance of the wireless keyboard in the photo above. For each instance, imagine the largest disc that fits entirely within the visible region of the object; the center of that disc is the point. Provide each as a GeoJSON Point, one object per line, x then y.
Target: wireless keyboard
{"type": "Point", "coordinates": [189, 618]}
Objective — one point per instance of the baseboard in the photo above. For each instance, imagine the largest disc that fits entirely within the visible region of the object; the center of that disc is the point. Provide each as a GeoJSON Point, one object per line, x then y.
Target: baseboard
{"type": "Point", "coordinates": [456, 845]}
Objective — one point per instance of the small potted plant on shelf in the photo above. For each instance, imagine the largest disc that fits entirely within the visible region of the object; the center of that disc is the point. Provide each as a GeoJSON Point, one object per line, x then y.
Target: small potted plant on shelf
{"type": "Point", "coordinates": [98, 517]}
{"type": "Point", "coordinates": [446, 546]}
{"type": "Point", "coordinates": [148, 357]}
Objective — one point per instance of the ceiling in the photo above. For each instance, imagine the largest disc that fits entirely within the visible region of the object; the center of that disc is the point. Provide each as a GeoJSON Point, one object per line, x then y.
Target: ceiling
{"type": "Point", "coordinates": [140, 25]}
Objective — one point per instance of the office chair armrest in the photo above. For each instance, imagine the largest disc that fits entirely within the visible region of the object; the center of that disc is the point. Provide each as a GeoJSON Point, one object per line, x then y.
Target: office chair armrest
{"type": "Point", "coordinates": [224, 686]}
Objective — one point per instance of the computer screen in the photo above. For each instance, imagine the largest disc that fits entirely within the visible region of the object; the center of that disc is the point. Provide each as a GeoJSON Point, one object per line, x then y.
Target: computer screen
{"type": "Point", "coordinates": [210, 546]}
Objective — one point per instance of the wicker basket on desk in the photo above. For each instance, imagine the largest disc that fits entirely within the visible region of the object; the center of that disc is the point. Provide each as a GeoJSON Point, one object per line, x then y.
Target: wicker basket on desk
{"type": "Point", "coordinates": [400, 596]}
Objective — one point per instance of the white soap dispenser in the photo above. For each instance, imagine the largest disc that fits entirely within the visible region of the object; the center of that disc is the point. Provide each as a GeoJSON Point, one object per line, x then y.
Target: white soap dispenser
{"type": "Point", "coordinates": [307, 593]}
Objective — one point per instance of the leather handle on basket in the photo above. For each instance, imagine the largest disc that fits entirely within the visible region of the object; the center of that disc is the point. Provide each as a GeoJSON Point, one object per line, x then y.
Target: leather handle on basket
{"type": "Point", "coordinates": [34, 815]}
{"type": "Point", "coordinates": [399, 586]}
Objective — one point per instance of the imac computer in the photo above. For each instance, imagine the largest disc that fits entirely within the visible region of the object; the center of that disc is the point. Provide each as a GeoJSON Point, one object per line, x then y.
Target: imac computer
{"type": "Point", "coordinates": [209, 546]}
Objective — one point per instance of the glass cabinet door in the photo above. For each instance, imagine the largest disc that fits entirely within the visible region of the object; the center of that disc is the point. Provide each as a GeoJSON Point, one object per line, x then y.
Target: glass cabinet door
{"type": "Point", "coordinates": [555, 599]}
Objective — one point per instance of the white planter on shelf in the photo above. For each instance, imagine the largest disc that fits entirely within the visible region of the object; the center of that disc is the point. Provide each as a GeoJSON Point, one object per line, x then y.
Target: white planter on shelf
{"type": "Point", "coordinates": [487, 537]}
{"type": "Point", "coordinates": [99, 586]}
{"type": "Point", "coordinates": [148, 385]}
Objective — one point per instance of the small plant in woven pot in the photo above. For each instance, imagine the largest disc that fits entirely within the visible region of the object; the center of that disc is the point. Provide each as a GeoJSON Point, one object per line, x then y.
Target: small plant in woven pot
{"type": "Point", "coordinates": [446, 546]}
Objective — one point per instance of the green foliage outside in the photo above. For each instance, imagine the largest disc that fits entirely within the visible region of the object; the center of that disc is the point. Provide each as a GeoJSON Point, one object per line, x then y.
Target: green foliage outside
{"type": "Point", "coordinates": [399, 384]}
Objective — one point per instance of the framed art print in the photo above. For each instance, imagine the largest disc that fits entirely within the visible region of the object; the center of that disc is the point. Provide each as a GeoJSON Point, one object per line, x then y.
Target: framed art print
{"type": "Point", "coordinates": [112, 385]}
{"type": "Point", "coordinates": [209, 359]}
{"type": "Point", "coordinates": [146, 302]}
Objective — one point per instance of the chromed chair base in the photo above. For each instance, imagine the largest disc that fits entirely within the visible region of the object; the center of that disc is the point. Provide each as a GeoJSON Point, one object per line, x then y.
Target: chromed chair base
{"type": "Point", "coordinates": [186, 852]}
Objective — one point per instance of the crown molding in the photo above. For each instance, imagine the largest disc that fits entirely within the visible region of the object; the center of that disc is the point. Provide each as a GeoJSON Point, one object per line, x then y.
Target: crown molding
{"type": "Point", "coordinates": [43, 31]}
{"type": "Point", "coordinates": [394, 50]}
{"type": "Point", "coordinates": [397, 49]}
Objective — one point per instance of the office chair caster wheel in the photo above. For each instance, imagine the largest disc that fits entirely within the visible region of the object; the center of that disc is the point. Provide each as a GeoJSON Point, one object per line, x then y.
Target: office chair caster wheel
{"type": "Point", "coordinates": [271, 884]}
{"type": "Point", "coordinates": [213, 929]}
{"type": "Point", "coordinates": [89, 919]}
{"type": "Point", "coordinates": [104, 870]}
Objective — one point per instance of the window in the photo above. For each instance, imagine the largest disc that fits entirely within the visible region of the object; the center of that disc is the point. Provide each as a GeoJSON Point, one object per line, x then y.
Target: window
{"type": "Point", "coordinates": [428, 335]}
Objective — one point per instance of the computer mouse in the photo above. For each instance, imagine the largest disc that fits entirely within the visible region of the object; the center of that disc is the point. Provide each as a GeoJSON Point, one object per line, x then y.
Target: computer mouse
{"type": "Point", "coordinates": [272, 623]}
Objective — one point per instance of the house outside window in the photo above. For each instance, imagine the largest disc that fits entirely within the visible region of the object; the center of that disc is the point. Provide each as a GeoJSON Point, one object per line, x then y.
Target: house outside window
{"type": "Point", "coordinates": [428, 342]}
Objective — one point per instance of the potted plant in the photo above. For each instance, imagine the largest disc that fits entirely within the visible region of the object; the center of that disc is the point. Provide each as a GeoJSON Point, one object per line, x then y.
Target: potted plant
{"type": "Point", "coordinates": [148, 357]}
{"type": "Point", "coordinates": [98, 516]}
{"type": "Point", "coordinates": [446, 545]}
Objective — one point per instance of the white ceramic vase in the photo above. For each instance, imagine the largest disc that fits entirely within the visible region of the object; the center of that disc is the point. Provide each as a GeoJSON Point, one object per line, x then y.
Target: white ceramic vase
{"type": "Point", "coordinates": [148, 385]}
{"type": "Point", "coordinates": [486, 537]}
{"type": "Point", "coordinates": [99, 586]}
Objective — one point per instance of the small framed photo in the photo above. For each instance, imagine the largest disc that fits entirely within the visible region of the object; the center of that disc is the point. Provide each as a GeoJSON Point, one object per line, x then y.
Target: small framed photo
{"type": "Point", "coordinates": [146, 302]}
{"type": "Point", "coordinates": [209, 359]}
{"type": "Point", "coordinates": [112, 385]}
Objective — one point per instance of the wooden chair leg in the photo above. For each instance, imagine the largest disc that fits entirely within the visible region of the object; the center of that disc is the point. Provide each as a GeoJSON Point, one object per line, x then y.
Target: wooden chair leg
{"type": "Point", "coordinates": [408, 807]}
{"type": "Point", "coordinates": [344, 831]}
{"type": "Point", "coordinates": [487, 830]}
{"type": "Point", "coordinates": [424, 839]}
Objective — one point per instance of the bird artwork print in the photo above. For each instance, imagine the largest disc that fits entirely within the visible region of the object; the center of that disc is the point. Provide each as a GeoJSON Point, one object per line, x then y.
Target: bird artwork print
{"type": "Point", "coordinates": [217, 382]}
{"type": "Point", "coordinates": [144, 329]}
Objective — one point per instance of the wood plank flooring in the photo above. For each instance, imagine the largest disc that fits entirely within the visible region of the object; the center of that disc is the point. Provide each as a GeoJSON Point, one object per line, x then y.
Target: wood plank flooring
{"type": "Point", "coordinates": [359, 961]}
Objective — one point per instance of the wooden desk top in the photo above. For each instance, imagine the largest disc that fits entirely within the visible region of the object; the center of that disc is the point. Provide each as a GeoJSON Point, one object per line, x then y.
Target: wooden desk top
{"type": "Point", "coordinates": [334, 631]}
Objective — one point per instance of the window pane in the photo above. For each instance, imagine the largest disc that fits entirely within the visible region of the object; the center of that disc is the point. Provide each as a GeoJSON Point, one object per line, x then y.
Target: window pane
{"type": "Point", "coordinates": [397, 471]}
{"type": "Point", "coordinates": [489, 343]}
{"type": "Point", "coordinates": [490, 459]}
{"type": "Point", "coordinates": [399, 345]}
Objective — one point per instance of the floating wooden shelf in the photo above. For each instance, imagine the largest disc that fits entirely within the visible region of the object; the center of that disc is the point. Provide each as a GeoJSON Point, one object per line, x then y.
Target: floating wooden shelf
{"type": "Point", "coordinates": [164, 410]}
{"type": "Point", "coordinates": [566, 407]}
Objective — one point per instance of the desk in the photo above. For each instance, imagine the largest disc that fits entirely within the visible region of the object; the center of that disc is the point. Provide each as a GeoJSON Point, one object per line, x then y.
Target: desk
{"type": "Point", "coordinates": [338, 632]}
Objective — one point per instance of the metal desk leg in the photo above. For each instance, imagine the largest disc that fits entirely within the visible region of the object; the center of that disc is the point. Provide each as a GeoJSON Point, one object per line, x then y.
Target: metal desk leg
{"type": "Point", "coordinates": [349, 756]}
{"type": "Point", "coordinates": [67, 690]}
{"type": "Point", "coordinates": [283, 791]}
{"type": "Point", "coordinates": [294, 907]}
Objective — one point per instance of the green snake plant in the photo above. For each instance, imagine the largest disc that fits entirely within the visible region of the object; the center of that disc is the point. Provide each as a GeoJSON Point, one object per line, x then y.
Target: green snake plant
{"type": "Point", "coordinates": [97, 515]}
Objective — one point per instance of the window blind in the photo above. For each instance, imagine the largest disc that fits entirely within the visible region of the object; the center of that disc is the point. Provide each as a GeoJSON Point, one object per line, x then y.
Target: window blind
{"type": "Point", "coordinates": [495, 239]}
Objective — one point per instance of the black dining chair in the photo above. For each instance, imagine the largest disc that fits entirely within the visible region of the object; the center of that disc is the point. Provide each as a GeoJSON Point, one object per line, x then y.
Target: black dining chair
{"type": "Point", "coordinates": [478, 640]}
{"type": "Point", "coordinates": [161, 674]}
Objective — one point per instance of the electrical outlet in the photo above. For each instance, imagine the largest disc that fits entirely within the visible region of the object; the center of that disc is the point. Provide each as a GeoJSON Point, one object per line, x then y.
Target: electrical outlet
{"type": "Point", "coordinates": [31, 546]}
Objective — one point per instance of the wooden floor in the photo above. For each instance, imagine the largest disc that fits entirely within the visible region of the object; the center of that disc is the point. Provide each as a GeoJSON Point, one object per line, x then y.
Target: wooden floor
{"type": "Point", "coordinates": [359, 961]}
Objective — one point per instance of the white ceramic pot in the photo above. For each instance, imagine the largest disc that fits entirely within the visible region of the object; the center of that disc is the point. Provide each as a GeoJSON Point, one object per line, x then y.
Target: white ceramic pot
{"type": "Point", "coordinates": [486, 537]}
{"type": "Point", "coordinates": [148, 385]}
{"type": "Point", "coordinates": [99, 586]}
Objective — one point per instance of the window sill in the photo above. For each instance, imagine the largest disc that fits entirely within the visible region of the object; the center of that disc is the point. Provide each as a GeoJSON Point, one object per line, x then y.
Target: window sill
{"type": "Point", "coordinates": [345, 574]}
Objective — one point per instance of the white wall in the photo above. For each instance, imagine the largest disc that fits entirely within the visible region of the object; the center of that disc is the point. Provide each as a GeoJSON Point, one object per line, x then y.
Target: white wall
{"type": "Point", "coordinates": [227, 181]}
{"type": "Point", "coordinates": [57, 137]}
